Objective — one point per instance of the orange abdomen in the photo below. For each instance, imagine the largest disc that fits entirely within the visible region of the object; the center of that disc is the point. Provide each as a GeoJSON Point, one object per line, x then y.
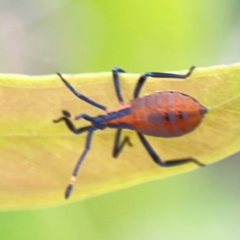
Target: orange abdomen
{"type": "Point", "coordinates": [166, 114]}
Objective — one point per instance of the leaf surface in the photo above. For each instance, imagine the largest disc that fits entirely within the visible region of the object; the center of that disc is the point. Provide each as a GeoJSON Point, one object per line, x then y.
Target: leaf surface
{"type": "Point", "coordinates": [37, 157]}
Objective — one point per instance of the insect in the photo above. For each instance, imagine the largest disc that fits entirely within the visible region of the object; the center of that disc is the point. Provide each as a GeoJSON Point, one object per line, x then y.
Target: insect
{"type": "Point", "coordinates": [161, 114]}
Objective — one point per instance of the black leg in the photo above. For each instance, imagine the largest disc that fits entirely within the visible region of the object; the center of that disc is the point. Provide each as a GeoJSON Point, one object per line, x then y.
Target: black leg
{"type": "Point", "coordinates": [79, 162]}
{"type": "Point", "coordinates": [115, 72]}
{"type": "Point", "coordinates": [81, 115]}
{"type": "Point", "coordinates": [169, 163]}
{"type": "Point", "coordinates": [143, 77]}
{"type": "Point", "coordinates": [71, 127]}
{"type": "Point", "coordinates": [79, 95]}
{"type": "Point", "coordinates": [117, 148]}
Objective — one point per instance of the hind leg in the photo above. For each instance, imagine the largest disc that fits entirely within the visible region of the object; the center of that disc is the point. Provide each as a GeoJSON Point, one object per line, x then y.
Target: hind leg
{"type": "Point", "coordinates": [168, 163]}
{"type": "Point", "coordinates": [143, 78]}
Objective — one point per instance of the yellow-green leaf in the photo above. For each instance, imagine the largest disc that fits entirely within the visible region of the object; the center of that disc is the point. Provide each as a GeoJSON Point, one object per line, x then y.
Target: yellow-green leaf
{"type": "Point", "coordinates": [37, 157]}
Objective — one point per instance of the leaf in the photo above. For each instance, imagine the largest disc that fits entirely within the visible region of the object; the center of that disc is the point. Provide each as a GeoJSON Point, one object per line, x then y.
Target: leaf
{"type": "Point", "coordinates": [37, 157]}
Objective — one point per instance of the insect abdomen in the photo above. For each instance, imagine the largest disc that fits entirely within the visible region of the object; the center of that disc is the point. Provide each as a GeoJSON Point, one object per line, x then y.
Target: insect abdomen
{"type": "Point", "coordinates": [166, 114]}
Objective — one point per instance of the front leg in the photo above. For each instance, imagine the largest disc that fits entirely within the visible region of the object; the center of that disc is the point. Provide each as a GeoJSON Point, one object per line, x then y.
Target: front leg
{"type": "Point", "coordinates": [71, 126]}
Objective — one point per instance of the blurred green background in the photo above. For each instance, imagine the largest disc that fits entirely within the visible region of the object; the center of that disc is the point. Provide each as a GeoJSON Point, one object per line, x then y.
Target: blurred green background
{"type": "Point", "coordinates": [42, 37]}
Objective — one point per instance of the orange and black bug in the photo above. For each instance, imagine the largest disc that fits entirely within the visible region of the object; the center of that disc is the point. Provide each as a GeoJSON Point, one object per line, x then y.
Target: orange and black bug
{"type": "Point", "coordinates": [161, 114]}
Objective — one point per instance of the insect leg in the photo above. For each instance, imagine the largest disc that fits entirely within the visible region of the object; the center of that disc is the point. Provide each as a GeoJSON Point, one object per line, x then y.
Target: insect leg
{"type": "Point", "coordinates": [71, 126]}
{"type": "Point", "coordinates": [115, 72]}
{"type": "Point", "coordinates": [169, 163]}
{"type": "Point", "coordinates": [79, 95]}
{"type": "Point", "coordinates": [117, 148]}
{"type": "Point", "coordinates": [79, 162]}
{"type": "Point", "coordinates": [81, 115]}
{"type": "Point", "coordinates": [143, 77]}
